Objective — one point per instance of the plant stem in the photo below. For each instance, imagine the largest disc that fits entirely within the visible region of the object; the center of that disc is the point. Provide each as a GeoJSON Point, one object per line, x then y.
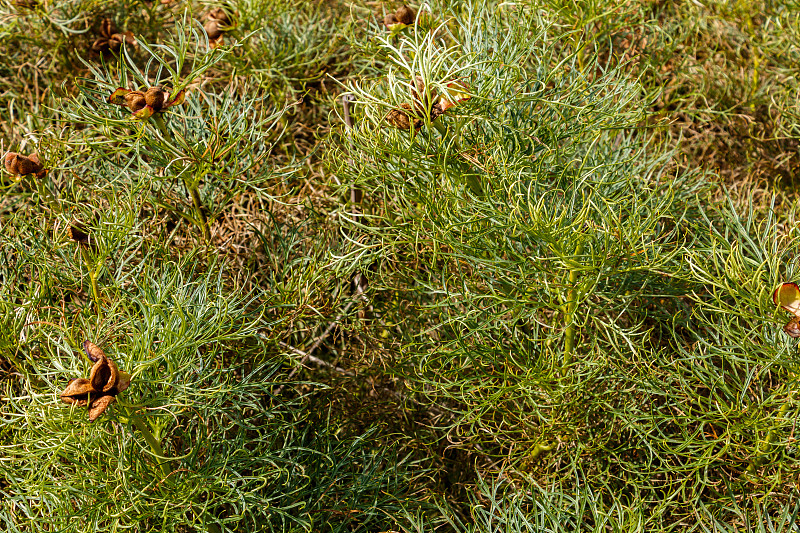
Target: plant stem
{"type": "Point", "coordinates": [93, 272]}
{"type": "Point", "coordinates": [193, 190]}
{"type": "Point", "coordinates": [198, 206]}
{"type": "Point", "coordinates": [763, 449]}
{"type": "Point", "coordinates": [155, 446]}
{"type": "Point", "coordinates": [540, 448]}
{"type": "Point", "coordinates": [166, 469]}
{"type": "Point", "coordinates": [569, 318]}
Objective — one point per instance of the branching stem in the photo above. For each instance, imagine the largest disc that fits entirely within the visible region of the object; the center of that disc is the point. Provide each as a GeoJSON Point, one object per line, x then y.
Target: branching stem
{"type": "Point", "coordinates": [569, 318]}
{"type": "Point", "coordinates": [765, 447]}
{"type": "Point", "coordinates": [94, 271]}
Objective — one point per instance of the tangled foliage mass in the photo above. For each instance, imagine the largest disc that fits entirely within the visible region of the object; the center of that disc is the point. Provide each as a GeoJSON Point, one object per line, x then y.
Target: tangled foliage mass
{"type": "Point", "coordinates": [370, 267]}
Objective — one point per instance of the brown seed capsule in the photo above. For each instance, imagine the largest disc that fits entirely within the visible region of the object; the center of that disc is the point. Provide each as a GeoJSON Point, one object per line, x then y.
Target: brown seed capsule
{"type": "Point", "coordinates": [220, 15]}
{"type": "Point", "coordinates": [793, 328]}
{"type": "Point", "coordinates": [213, 30]}
{"type": "Point", "coordinates": [79, 234]}
{"type": "Point", "coordinates": [154, 97]}
{"type": "Point", "coordinates": [116, 40]}
{"type": "Point", "coordinates": [111, 39]}
{"type": "Point", "coordinates": [405, 15]}
{"type": "Point", "coordinates": [219, 21]}
{"type": "Point", "coordinates": [400, 119]}
{"type": "Point", "coordinates": [21, 165]}
{"type": "Point", "coordinates": [93, 351]}
{"type": "Point", "coordinates": [100, 390]}
{"type": "Point", "coordinates": [135, 101]}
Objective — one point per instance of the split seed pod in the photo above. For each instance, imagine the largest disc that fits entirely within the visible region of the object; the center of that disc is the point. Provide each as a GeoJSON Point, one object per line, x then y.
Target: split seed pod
{"type": "Point", "coordinates": [788, 297]}
{"type": "Point", "coordinates": [402, 17]}
{"type": "Point", "coordinates": [457, 92]}
{"type": "Point", "coordinates": [21, 165]}
{"type": "Point", "coordinates": [218, 23]}
{"type": "Point", "coordinates": [100, 390]}
{"type": "Point", "coordinates": [401, 119]}
{"type": "Point", "coordinates": [111, 39]}
{"type": "Point", "coordinates": [143, 105]}
{"type": "Point", "coordinates": [79, 234]}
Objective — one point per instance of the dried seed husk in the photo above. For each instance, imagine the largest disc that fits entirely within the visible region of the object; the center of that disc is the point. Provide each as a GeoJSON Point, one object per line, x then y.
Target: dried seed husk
{"type": "Point", "coordinates": [220, 15]}
{"type": "Point", "coordinates": [788, 297]}
{"type": "Point", "coordinates": [116, 40]}
{"type": "Point", "coordinates": [97, 406]}
{"type": "Point", "coordinates": [107, 28]}
{"type": "Point", "coordinates": [154, 97]}
{"type": "Point", "coordinates": [21, 165]}
{"type": "Point", "coordinates": [405, 15]}
{"type": "Point", "coordinates": [93, 351]}
{"type": "Point", "coordinates": [103, 375]}
{"type": "Point", "coordinates": [400, 119]}
{"type": "Point", "coordinates": [77, 391]}
{"type": "Point", "coordinates": [123, 382]}
{"type": "Point", "coordinates": [135, 101]}
{"type": "Point", "coordinates": [213, 30]}
{"type": "Point", "coordinates": [793, 328]}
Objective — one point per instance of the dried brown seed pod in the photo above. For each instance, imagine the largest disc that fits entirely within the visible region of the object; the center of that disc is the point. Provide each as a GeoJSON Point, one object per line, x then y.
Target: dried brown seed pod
{"type": "Point", "coordinates": [155, 97]}
{"type": "Point", "coordinates": [21, 165]}
{"type": "Point", "coordinates": [116, 40]}
{"type": "Point", "coordinates": [793, 328]}
{"type": "Point", "coordinates": [213, 30]}
{"type": "Point", "coordinates": [110, 39]}
{"type": "Point", "coordinates": [405, 15]}
{"type": "Point", "coordinates": [135, 101]}
{"type": "Point", "coordinates": [218, 22]}
{"type": "Point", "coordinates": [145, 104]}
{"type": "Point", "coordinates": [104, 383]}
{"type": "Point", "coordinates": [220, 15]}
{"type": "Point", "coordinates": [401, 120]}
{"type": "Point", "coordinates": [93, 351]}
{"type": "Point", "coordinates": [78, 233]}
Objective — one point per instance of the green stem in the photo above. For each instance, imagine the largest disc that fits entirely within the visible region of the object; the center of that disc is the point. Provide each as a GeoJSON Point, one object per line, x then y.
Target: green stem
{"type": "Point", "coordinates": [569, 318]}
{"type": "Point", "coordinates": [166, 469]}
{"type": "Point", "coordinates": [193, 190]}
{"type": "Point", "coordinates": [93, 273]}
{"type": "Point", "coordinates": [155, 446]}
{"type": "Point", "coordinates": [763, 449]}
{"type": "Point", "coordinates": [540, 448]}
{"type": "Point", "coordinates": [201, 215]}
